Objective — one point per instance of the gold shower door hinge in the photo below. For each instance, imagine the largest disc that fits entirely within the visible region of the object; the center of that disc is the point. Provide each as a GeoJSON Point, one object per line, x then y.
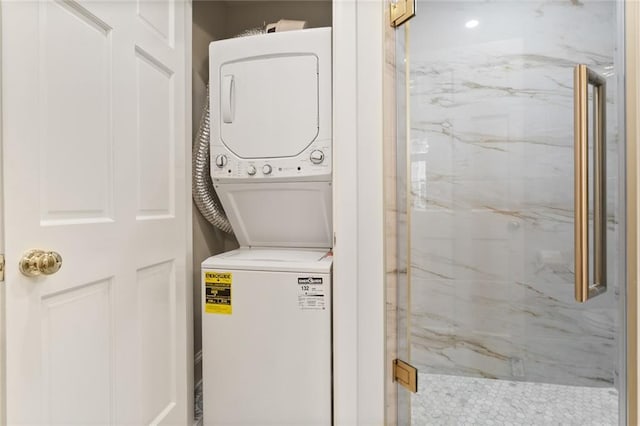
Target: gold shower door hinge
{"type": "Point", "coordinates": [406, 375]}
{"type": "Point", "coordinates": [402, 11]}
{"type": "Point", "coordinates": [1, 267]}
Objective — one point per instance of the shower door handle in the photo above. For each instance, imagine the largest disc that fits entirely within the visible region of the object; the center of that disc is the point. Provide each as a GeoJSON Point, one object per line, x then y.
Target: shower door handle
{"type": "Point", "coordinates": [583, 76]}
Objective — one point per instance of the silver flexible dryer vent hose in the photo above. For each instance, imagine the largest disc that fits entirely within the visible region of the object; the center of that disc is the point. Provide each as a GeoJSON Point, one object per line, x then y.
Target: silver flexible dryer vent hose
{"type": "Point", "coordinates": [203, 193]}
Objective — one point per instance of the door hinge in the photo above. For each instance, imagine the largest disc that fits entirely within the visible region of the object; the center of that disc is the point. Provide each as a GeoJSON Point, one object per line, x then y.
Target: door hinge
{"type": "Point", "coordinates": [406, 375]}
{"type": "Point", "coordinates": [402, 11]}
{"type": "Point", "coordinates": [1, 267]}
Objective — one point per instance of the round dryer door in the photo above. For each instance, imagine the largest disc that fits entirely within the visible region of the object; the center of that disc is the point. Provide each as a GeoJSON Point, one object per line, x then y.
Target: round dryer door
{"type": "Point", "coordinates": [269, 105]}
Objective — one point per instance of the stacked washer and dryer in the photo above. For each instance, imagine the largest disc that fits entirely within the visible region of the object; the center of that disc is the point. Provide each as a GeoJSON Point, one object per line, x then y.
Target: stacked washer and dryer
{"type": "Point", "coordinates": [267, 306]}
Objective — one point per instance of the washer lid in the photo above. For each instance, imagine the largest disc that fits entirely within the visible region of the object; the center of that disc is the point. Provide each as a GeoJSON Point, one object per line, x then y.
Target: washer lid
{"type": "Point", "coordinates": [272, 259]}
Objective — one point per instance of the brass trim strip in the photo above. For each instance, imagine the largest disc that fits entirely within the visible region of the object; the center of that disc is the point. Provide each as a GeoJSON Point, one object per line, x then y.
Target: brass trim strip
{"type": "Point", "coordinates": [632, 94]}
{"type": "Point", "coordinates": [583, 76]}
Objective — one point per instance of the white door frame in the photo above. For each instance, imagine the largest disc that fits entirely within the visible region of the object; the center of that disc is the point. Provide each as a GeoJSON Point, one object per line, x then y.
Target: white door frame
{"type": "Point", "coordinates": [358, 301]}
{"type": "Point", "coordinates": [189, 349]}
{"type": "Point", "coordinates": [3, 391]}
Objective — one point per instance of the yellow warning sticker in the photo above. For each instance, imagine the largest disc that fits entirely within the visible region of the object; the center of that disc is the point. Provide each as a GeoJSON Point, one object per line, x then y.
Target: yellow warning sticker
{"type": "Point", "coordinates": [217, 292]}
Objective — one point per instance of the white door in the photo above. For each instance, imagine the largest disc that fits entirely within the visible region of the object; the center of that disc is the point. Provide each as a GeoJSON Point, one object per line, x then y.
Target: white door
{"type": "Point", "coordinates": [93, 141]}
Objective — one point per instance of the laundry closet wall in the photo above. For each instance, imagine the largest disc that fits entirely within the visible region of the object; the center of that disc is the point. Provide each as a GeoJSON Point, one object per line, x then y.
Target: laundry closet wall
{"type": "Point", "coordinates": [215, 20]}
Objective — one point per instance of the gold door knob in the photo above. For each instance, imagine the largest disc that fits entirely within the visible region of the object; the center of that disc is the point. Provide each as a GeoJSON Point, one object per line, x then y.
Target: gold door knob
{"type": "Point", "coordinates": [39, 262]}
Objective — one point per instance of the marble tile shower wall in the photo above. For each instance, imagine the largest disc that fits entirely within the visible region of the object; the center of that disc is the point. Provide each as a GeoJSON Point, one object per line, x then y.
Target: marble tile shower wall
{"type": "Point", "coordinates": [492, 191]}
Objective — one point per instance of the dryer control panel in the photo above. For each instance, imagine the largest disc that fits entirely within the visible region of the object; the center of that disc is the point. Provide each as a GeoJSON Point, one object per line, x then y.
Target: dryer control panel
{"type": "Point", "coordinates": [315, 161]}
{"type": "Point", "coordinates": [270, 106]}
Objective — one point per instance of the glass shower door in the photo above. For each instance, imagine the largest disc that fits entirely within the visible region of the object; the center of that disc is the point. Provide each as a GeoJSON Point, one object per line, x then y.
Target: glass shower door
{"type": "Point", "coordinates": [486, 241]}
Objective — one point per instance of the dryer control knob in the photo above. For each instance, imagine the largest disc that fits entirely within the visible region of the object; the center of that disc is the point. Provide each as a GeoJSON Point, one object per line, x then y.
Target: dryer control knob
{"type": "Point", "coordinates": [221, 160]}
{"type": "Point", "coordinates": [316, 156]}
{"type": "Point", "coordinates": [266, 169]}
{"type": "Point", "coordinates": [251, 170]}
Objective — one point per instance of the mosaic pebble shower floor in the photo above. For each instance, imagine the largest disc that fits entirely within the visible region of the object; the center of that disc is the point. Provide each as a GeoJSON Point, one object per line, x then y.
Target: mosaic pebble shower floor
{"type": "Point", "coordinates": [457, 400]}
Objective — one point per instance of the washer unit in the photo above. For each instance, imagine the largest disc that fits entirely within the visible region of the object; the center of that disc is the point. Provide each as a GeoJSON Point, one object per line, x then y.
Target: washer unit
{"type": "Point", "coordinates": [267, 337]}
{"type": "Point", "coordinates": [266, 320]}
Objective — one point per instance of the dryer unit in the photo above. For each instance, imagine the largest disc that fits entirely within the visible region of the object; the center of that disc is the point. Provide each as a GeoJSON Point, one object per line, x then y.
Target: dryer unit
{"type": "Point", "coordinates": [266, 322]}
{"type": "Point", "coordinates": [271, 106]}
{"type": "Point", "coordinates": [271, 136]}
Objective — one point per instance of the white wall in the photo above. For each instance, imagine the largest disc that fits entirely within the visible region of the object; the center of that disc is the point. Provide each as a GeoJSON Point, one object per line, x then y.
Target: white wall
{"type": "Point", "coordinates": [243, 15]}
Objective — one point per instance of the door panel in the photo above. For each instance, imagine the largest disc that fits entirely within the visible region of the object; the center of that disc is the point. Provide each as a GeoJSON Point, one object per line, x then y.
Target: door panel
{"type": "Point", "coordinates": [91, 340]}
{"type": "Point", "coordinates": [156, 136]}
{"type": "Point", "coordinates": [94, 147]}
{"type": "Point", "coordinates": [157, 299]}
{"type": "Point", "coordinates": [160, 16]}
{"type": "Point", "coordinates": [75, 85]}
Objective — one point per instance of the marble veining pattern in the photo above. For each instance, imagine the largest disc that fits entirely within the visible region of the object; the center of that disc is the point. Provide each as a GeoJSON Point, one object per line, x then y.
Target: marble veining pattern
{"type": "Point", "coordinates": [454, 400]}
{"type": "Point", "coordinates": [491, 174]}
